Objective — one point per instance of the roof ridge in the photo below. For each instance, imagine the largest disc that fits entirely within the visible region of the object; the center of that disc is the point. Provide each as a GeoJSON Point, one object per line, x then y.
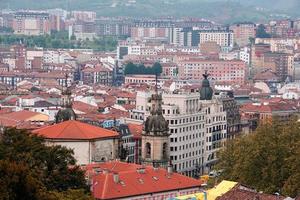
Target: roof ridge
{"type": "Point", "coordinates": [79, 128]}
{"type": "Point", "coordinates": [105, 184]}
{"type": "Point", "coordinates": [67, 125]}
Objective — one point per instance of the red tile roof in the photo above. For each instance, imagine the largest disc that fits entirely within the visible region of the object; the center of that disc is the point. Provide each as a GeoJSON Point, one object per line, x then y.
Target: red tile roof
{"type": "Point", "coordinates": [75, 130]}
{"type": "Point", "coordinates": [268, 108]}
{"type": "Point", "coordinates": [136, 130]}
{"type": "Point", "coordinates": [22, 115]}
{"type": "Point", "coordinates": [134, 183]}
{"type": "Point", "coordinates": [84, 107]}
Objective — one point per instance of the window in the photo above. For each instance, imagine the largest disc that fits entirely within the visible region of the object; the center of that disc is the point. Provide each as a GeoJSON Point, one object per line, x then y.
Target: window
{"type": "Point", "coordinates": [148, 150]}
{"type": "Point", "coordinates": [165, 150]}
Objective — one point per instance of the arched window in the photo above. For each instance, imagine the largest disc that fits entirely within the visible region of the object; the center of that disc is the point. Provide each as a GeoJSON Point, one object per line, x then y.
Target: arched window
{"type": "Point", "coordinates": [165, 151]}
{"type": "Point", "coordinates": [148, 150]}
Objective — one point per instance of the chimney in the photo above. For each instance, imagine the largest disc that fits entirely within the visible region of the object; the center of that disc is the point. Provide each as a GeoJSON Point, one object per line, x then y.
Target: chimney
{"type": "Point", "coordinates": [141, 170]}
{"type": "Point", "coordinates": [116, 177]}
{"type": "Point", "coordinates": [155, 169]}
{"type": "Point", "coordinates": [170, 169]}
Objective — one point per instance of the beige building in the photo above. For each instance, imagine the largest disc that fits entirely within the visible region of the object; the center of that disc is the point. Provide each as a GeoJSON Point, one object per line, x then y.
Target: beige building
{"type": "Point", "coordinates": [222, 38]}
{"type": "Point", "coordinates": [243, 32]}
{"type": "Point", "coordinates": [89, 143]}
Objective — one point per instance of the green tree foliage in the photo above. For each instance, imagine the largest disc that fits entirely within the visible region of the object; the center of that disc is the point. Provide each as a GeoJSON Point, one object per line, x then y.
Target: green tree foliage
{"type": "Point", "coordinates": [28, 167]}
{"type": "Point", "coordinates": [261, 32]}
{"type": "Point", "coordinates": [131, 68]}
{"type": "Point", "coordinates": [60, 40]}
{"type": "Point", "coordinates": [70, 195]}
{"type": "Point", "coordinates": [267, 160]}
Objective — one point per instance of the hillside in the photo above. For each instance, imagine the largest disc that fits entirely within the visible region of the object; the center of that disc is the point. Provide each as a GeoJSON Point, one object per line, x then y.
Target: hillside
{"type": "Point", "coordinates": [224, 11]}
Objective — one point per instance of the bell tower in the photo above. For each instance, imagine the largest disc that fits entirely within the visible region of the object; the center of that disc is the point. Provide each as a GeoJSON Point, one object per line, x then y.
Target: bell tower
{"type": "Point", "coordinates": [155, 136]}
{"type": "Point", "coordinates": [66, 112]}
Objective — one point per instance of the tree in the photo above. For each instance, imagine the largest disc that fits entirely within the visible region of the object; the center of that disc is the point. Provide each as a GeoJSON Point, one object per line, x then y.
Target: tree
{"type": "Point", "coordinates": [131, 68]}
{"type": "Point", "coordinates": [267, 160]}
{"type": "Point", "coordinates": [261, 32]}
{"type": "Point", "coordinates": [18, 182]}
{"type": "Point", "coordinates": [157, 68]}
{"type": "Point", "coordinates": [70, 195]}
{"type": "Point", "coordinates": [42, 168]}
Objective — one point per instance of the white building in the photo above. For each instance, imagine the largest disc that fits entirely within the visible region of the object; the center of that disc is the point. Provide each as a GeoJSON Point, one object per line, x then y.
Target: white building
{"type": "Point", "coordinates": [221, 37]}
{"type": "Point", "coordinates": [197, 128]}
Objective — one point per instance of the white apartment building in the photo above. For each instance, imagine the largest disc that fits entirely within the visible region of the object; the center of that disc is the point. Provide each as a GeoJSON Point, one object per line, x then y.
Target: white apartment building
{"type": "Point", "coordinates": [197, 128]}
{"type": "Point", "coordinates": [187, 129]}
{"type": "Point", "coordinates": [215, 131]}
{"type": "Point", "coordinates": [222, 38]}
{"type": "Point", "coordinates": [244, 55]}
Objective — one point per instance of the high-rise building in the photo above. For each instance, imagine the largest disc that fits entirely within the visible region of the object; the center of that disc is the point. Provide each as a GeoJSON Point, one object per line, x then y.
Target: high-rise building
{"type": "Point", "coordinates": [31, 23]}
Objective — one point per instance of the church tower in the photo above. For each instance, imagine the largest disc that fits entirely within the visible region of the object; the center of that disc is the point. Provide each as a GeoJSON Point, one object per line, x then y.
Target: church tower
{"type": "Point", "coordinates": [66, 112]}
{"type": "Point", "coordinates": [155, 136]}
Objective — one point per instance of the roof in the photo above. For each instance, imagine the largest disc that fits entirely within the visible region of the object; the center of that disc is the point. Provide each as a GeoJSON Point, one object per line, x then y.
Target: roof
{"type": "Point", "coordinates": [268, 107]}
{"type": "Point", "coordinates": [136, 130]}
{"type": "Point", "coordinates": [135, 180]}
{"type": "Point", "coordinates": [75, 130]}
{"type": "Point", "coordinates": [266, 76]}
{"type": "Point", "coordinates": [244, 193]}
{"type": "Point", "coordinates": [213, 193]}
{"type": "Point", "coordinates": [43, 103]}
{"type": "Point", "coordinates": [22, 115]}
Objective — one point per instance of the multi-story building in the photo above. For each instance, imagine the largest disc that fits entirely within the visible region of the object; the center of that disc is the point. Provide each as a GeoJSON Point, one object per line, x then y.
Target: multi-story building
{"type": "Point", "coordinates": [197, 127]}
{"type": "Point", "coordinates": [244, 55]}
{"type": "Point", "coordinates": [109, 27]}
{"type": "Point", "coordinates": [97, 74]}
{"type": "Point", "coordinates": [31, 23]}
{"type": "Point", "coordinates": [243, 32]}
{"type": "Point", "coordinates": [233, 117]}
{"type": "Point", "coordinates": [232, 71]}
{"type": "Point", "coordinates": [257, 56]}
{"type": "Point", "coordinates": [86, 16]}
{"type": "Point", "coordinates": [281, 63]}
{"type": "Point", "coordinates": [223, 38]}
{"type": "Point", "coordinates": [184, 36]}
{"type": "Point", "coordinates": [215, 124]}
{"type": "Point", "coordinates": [149, 33]}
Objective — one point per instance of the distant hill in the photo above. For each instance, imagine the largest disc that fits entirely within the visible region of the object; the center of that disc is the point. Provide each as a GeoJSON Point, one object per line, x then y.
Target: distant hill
{"type": "Point", "coordinates": [224, 11]}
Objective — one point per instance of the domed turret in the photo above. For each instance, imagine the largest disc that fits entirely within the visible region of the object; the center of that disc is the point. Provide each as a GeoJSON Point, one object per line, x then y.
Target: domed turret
{"type": "Point", "coordinates": [206, 91]}
{"type": "Point", "coordinates": [155, 123]}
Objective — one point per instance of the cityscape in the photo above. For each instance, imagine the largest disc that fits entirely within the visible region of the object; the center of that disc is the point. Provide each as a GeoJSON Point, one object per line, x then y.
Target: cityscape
{"type": "Point", "coordinates": [111, 100]}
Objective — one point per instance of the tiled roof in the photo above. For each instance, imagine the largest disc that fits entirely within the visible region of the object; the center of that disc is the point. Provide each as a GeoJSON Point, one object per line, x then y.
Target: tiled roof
{"type": "Point", "coordinates": [244, 193]}
{"type": "Point", "coordinates": [135, 182]}
{"type": "Point", "coordinates": [75, 130]}
{"type": "Point", "coordinates": [269, 107]}
{"type": "Point", "coordinates": [22, 115]}
{"type": "Point", "coordinates": [136, 130]}
{"type": "Point", "coordinates": [84, 107]}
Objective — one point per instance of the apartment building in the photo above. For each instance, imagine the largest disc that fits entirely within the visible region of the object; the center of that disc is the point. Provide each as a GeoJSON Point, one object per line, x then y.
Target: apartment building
{"type": "Point", "coordinates": [220, 70]}
{"type": "Point", "coordinates": [31, 23]}
{"type": "Point", "coordinates": [223, 38]}
{"type": "Point", "coordinates": [243, 32]}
